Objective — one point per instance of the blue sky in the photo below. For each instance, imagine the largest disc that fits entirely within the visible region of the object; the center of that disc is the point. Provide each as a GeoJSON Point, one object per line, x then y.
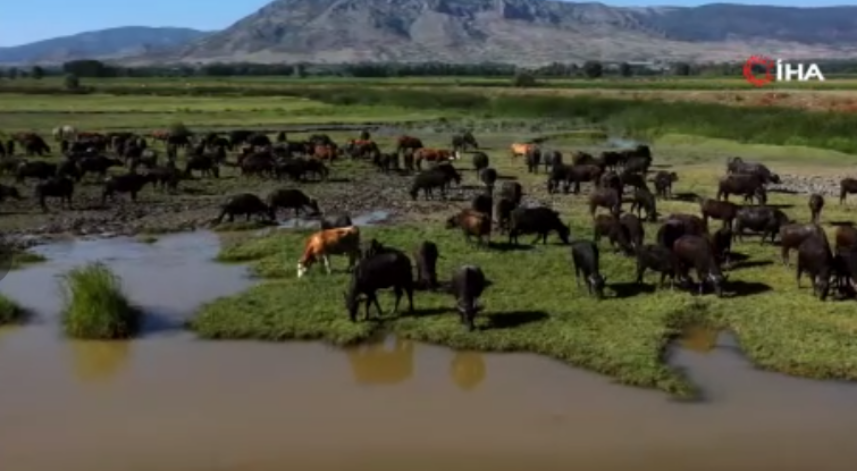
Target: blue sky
{"type": "Point", "coordinates": [25, 21]}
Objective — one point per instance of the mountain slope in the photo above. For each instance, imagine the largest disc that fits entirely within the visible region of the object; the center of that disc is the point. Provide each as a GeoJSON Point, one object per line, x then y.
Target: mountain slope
{"type": "Point", "coordinates": [113, 42]}
{"type": "Point", "coordinates": [522, 31]}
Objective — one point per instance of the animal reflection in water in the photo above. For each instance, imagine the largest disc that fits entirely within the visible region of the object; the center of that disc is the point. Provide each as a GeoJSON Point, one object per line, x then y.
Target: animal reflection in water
{"type": "Point", "coordinates": [378, 365]}
{"type": "Point", "coordinates": [467, 370]}
{"type": "Point", "coordinates": [699, 339]}
{"type": "Point", "coordinates": [99, 361]}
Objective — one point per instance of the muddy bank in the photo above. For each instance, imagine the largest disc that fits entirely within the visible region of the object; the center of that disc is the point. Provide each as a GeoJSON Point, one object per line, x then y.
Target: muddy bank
{"type": "Point", "coordinates": [168, 402]}
{"type": "Point", "coordinates": [807, 185]}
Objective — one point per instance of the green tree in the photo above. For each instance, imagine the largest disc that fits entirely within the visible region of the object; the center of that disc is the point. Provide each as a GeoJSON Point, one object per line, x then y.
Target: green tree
{"type": "Point", "coordinates": [524, 80]}
{"type": "Point", "coordinates": [37, 72]}
{"type": "Point", "coordinates": [593, 69]}
{"type": "Point", "coordinates": [625, 70]}
{"type": "Point", "coordinates": [71, 82]}
{"type": "Point", "coordinates": [13, 73]}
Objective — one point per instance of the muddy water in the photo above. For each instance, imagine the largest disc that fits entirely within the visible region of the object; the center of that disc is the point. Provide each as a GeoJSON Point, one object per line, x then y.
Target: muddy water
{"type": "Point", "coordinates": [167, 402]}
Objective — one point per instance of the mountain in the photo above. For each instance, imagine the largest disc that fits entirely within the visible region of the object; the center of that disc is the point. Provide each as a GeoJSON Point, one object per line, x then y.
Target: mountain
{"type": "Point", "coordinates": [526, 32]}
{"type": "Point", "coordinates": [103, 44]}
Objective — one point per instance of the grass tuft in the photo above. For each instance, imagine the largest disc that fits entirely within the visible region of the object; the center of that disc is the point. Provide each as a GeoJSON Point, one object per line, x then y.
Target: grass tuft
{"type": "Point", "coordinates": [11, 312]}
{"type": "Point", "coordinates": [96, 306]}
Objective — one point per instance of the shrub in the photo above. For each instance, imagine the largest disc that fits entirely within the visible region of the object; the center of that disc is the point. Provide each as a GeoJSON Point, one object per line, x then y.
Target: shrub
{"type": "Point", "coordinates": [10, 312]}
{"type": "Point", "coordinates": [71, 82]}
{"type": "Point", "coordinates": [96, 306]}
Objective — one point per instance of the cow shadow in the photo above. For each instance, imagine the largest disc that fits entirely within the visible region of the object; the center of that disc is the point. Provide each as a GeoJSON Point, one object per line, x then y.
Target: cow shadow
{"type": "Point", "coordinates": [841, 223]}
{"type": "Point", "coordinates": [784, 191]}
{"type": "Point", "coordinates": [507, 178]}
{"type": "Point", "coordinates": [508, 247]}
{"type": "Point", "coordinates": [749, 264]}
{"type": "Point", "coordinates": [513, 319]}
{"type": "Point", "coordinates": [430, 312]}
{"type": "Point", "coordinates": [687, 197]}
{"type": "Point", "coordinates": [780, 206]}
{"type": "Point", "coordinates": [741, 288]}
{"type": "Point", "coordinates": [630, 289]}
{"type": "Point", "coordinates": [737, 257]}
{"type": "Point", "coordinates": [332, 180]}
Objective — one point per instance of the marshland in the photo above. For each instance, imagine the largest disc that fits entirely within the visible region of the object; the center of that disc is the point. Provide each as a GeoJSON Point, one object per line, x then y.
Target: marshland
{"type": "Point", "coordinates": [222, 331]}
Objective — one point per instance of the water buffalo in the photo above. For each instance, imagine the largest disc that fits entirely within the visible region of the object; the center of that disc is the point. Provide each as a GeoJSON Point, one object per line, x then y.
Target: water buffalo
{"type": "Point", "coordinates": [584, 256]}
{"type": "Point", "coordinates": [815, 203]}
{"type": "Point", "coordinates": [539, 220]}
{"type": "Point", "coordinates": [488, 177]}
{"type": "Point", "coordinates": [472, 224]}
{"type": "Point", "coordinates": [533, 158]}
{"type": "Point", "coordinates": [762, 219]}
{"type": "Point", "coordinates": [480, 161]}
{"type": "Point", "coordinates": [847, 186]}
{"type": "Point", "coordinates": [658, 259]}
{"type": "Point", "coordinates": [428, 181]}
{"type": "Point", "coordinates": [332, 221]}
{"type": "Point", "coordinates": [612, 228]}
{"type": "Point", "coordinates": [644, 200]}
{"type": "Point", "coordinates": [55, 187]}
{"type": "Point", "coordinates": [721, 210]}
{"type": "Point", "coordinates": [38, 169]}
{"type": "Point", "coordinates": [426, 257]}
{"type": "Point", "coordinates": [699, 253]}
{"type": "Point", "coordinates": [792, 235]}
{"type": "Point", "coordinates": [606, 198]}
{"type": "Point", "coordinates": [130, 183]}
{"type": "Point", "coordinates": [390, 269]}
{"type": "Point", "coordinates": [634, 227]}
{"type": "Point", "coordinates": [468, 283]}
{"type": "Point", "coordinates": [482, 203]}
{"type": "Point", "coordinates": [512, 191]}
{"type": "Point", "coordinates": [247, 204]}
{"type": "Point", "coordinates": [738, 166]}
{"type": "Point", "coordinates": [748, 186]}
{"type": "Point", "coordinates": [846, 238]}
{"type": "Point", "coordinates": [291, 198]}
{"type": "Point", "coordinates": [664, 183]}
{"type": "Point", "coordinates": [815, 258]}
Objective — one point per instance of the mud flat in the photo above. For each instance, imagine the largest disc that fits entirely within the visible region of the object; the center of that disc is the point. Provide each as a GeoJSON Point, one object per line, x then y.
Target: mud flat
{"type": "Point", "coordinates": [169, 402]}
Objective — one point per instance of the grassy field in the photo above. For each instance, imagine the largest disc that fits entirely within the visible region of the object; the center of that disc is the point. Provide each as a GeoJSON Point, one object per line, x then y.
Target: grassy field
{"type": "Point", "coordinates": [534, 305]}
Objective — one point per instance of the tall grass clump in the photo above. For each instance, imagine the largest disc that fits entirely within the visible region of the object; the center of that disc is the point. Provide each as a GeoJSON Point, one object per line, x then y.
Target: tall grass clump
{"type": "Point", "coordinates": [10, 312]}
{"type": "Point", "coordinates": [96, 306]}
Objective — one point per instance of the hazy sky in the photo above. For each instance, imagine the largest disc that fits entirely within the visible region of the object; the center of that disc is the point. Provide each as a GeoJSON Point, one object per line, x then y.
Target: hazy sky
{"type": "Point", "coordinates": [24, 21]}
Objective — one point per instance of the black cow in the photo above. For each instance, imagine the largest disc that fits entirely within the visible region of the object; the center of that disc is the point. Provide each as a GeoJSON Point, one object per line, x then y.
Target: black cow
{"type": "Point", "coordinates": [502, 215]}
{"type": "Point", "coordinates": [489, 178]}
{"type": "Point", "coordinates": [634, 227]}
{"type": "Point", "coordinates": [644, 200]}
{"type": "Point", "coordinates": [55, 187]}
{"type": "Point", "coordinates": [792, 235]}
{"type": "Point", "coordinates": [847, 186]}
{"type": "Point", "coordinates": [429, 180]}
{"type": "Point", "coordinates": [584, 255]}
{"type": "Point", "coordinates": [130, 183]}
{"type": "Point", "coordinates": [38, 169]}
{"type": "Point", "coordinates": [512, 191]}
{"type": "Point", "coordinates": [699, 253]}
{"type": "Point", "coordinates": [763, 219]}
{"type": "Point", "coordinates": [658, 259]}
{"type": "Point", "coordinates": [426, 257]}
{"type": "Point", "coordinates": [539, 220]}
{"type": "Point", "coordinates": [815, 258]}
{"type": "Point", "coordinates": [247, 204]}
{"type": "Point", "coordinates": [468, 283]}
{"type": "Point", "coordinates": [483, 203]}
{"type": "Point", "coordinates": [290, 198]}
{"type": "Point", "coordinates": [746, 185]}
{"type": "Point", "coordinates": [815, 203]}
{"type": "Point", "coordinates": [391, 269]}
{"type": "Point", "coordinates": [612, 228]}
{"type": "Point", "coordinates": [480, 161]}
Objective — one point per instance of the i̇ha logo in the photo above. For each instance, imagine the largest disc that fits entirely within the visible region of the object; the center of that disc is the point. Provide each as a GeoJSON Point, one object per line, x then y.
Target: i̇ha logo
{"type": "Point", "coordinates": [760, 71]}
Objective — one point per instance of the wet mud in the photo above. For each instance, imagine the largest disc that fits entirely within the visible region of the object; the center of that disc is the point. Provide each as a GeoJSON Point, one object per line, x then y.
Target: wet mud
{"type": "Point", "coordinates": [169, 402]}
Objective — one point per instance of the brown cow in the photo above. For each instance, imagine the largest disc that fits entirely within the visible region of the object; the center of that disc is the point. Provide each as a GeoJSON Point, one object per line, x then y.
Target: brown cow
{"type": "Point", "coordinates": [521, 149]}
{"type": "Point", "coordinates": [792, 235]}
{"type": "Point", "coordinates": [472, 223]}
{"type": "Point", "coordinates": [433, 155]}
{"type": "Point", "coordinates": [324, 152]}
{"type": "Point", "coordinates": [339, 241]}
{"type": "Point", "coordinates": [720, 210]}
{"type": "Point", "coordinates": [847, 186]}
{"type": "Point", "coordinates": [408, 142]}
{"type": "Point", "coordinates": [605, 198]}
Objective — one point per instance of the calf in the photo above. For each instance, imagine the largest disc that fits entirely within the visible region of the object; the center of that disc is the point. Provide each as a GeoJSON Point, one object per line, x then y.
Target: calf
{"type": "Point", "coordinates": [322, 244]}
{"type": "Point", "coordinates": [468, 283]}
{"type": "Point", "coordinates": [720, 210]}
{"type": "Point", "coordinates": [636, 232]}
{"type": "Point", "coordinates": [792, 235]}
{"type": "Point", "coordinates": [815, 203]}
{"type": "Point", "coordinates": [426, 257]}
{"type": "Point", "coordinates": [472, 224]}
{"type": "Point", "coordinates": [847, 186]}
{"type": "Point", "coordinates": [247, 204]}
{"type": "Point", "coordinates": [605, 198]}
{"type": "Point", "coordinates": [815, 258]}
{"type": "Point", "coordinates": [763, 219]}
{"type": "Point", "coordinates": [658, 259]}
{"type": "Point", "coordinates": [644, 200]}
{"type": "Point", "coordinates": [584, 254]}
{"type": "Point", "coordinates": [336, 221]}
{"type": "Point", "coordinates": [612, 228]}
{"type": "Point", "coordinates": [539, 220]}
{"type": "Point", "coordinates": [699, 253]}
{"type": "Point", "coordinates": [291, 198]}
{"type": "Point", "coordinates": [664, 184]}
{"type": "Point", "coordinates": [385, 270]}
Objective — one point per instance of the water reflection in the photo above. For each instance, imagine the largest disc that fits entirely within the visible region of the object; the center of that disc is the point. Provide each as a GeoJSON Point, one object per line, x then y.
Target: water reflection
{"type": "Point", "coordinates": [99, 361]}
{"type": "Point", "coordinates": [467, 370]}
{"type": "Point", "coordinates": [375, 364]}
{"type": "Point", "coordinates": [700, 339]}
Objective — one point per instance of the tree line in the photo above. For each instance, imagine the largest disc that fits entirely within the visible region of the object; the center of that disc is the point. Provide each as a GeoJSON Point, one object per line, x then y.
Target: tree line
{"type": "Point", "coordinates": [591, 69]}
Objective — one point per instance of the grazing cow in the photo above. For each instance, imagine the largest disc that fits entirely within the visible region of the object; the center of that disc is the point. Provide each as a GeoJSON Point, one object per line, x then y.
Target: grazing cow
{"type": "Point", "coordinates": [512, 191]}
{"type": "Point", "coordinates": [644, 200]}
{"type": "Point", "coordinates": [633, 179]}
{"type": "Point", "coordinates": [699, 253]}
{"type": "Point", "coordinates": [815, 203]}
{"type": "Point", "coordinates": [405, 143]}
{"type": "Point", "coordinates": [322, 244]}
{"type": "Point", "coordinates": [611, 180]}
{"type": "Point", "coordinates": [432, 155]}
{"type": "Point", "coordinates": [130, 183]}
{"type": "Point", "coordinates": [815, 258]}
{"type": "Point", "coordinates": [606, 198]}
{"type": "Point", "coordinates": [97, 164]}
{"type": "Point", "coordinates": [583, 173]}
{"type": "Point", "coordinates": [480, 161]}
{"type": "Point", "coordinates": [559, 174]}
{"type": "Point", "coordinates": [720, 210]}
{"type": "Point", "coordinates": [55, 187]}
{"type": "Point", "coordinates": [533, 159]}
{"type": "Point", "coordinates": [482, 203]}
{"type": "Point", "coordinates": [247, 204]}
{"type": "Point", "coordinates": [540, 221]}
{"type": "Point", "coordinates": [390, 269]}
{"type": "Point", "coordinates": [763, 219]}
{"type": "Point", "coordinates": [792, 235]}
{"type": "Point", "coordinates": [658, 259]}
{"type": "Point", "coordinates": [584, 255]}
{"type": "Point", "coordinates": [502, 214]}
{"type": "Point", "coordinates": [746, 185]}
{"type": "Point", "coordinates": [334, 221]}
{"type": "Point", "coordinates": [678, 225]}
{"type": "Point", "coordinates": [428, 181]}
{"type": "Point", "coordinates": [426, 257]}
{"type": "Point", "coordinates": [464, 141]}
{"type": "Point", "coordinates": [846, 238]}
{"type": "Point", "coordinates": [38, 169]}
{"type": "Point", "coordinates": [472, 224]}
{"type": "Point", "coordinates": [520, 149]}
{"type": "Point", "coordinates": [664, 183]}
{"type": "Point", "coordinates": [634, 228]}
{"type": "Point", "coordinates": [845, 266]}
{"type": "Point", "coordinates": [165, 176]}
{"type": "Point", "coordinates": [738, 166]}
{"type": "Point", "coordinates": [721, 240]}
{"type": "Point", "coordinates": [291, 198]}
{"type": "Point", "coordinates": [582, 158]}
{"type": "Point", "coordinates": [468, 283]}
{"type": "Point", "coordinates": [205, 164]}
{"type": "Point", "coordinates": [847, 186]}
{"type": "Point", "coordinates": [612, 228]}
{"type": "Point", "coordinates": [489, 178]}
{"type": "Point", "coordinates": [386, 161]}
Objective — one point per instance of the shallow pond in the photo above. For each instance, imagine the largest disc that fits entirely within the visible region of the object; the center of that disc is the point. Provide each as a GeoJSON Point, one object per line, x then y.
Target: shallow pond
{"type": "Point", "coordinates": [168, 402]}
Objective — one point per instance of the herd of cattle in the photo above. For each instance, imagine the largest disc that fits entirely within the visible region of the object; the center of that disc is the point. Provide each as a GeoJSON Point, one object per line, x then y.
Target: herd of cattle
{"type": "Point", "coordinates": [683, 241]}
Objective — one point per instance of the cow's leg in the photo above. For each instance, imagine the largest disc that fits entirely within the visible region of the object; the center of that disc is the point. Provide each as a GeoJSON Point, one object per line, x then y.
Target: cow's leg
{"type": "Point", "coordinates": [326, 261]}
{"type": "Point", "coordinates": [398, 292]}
